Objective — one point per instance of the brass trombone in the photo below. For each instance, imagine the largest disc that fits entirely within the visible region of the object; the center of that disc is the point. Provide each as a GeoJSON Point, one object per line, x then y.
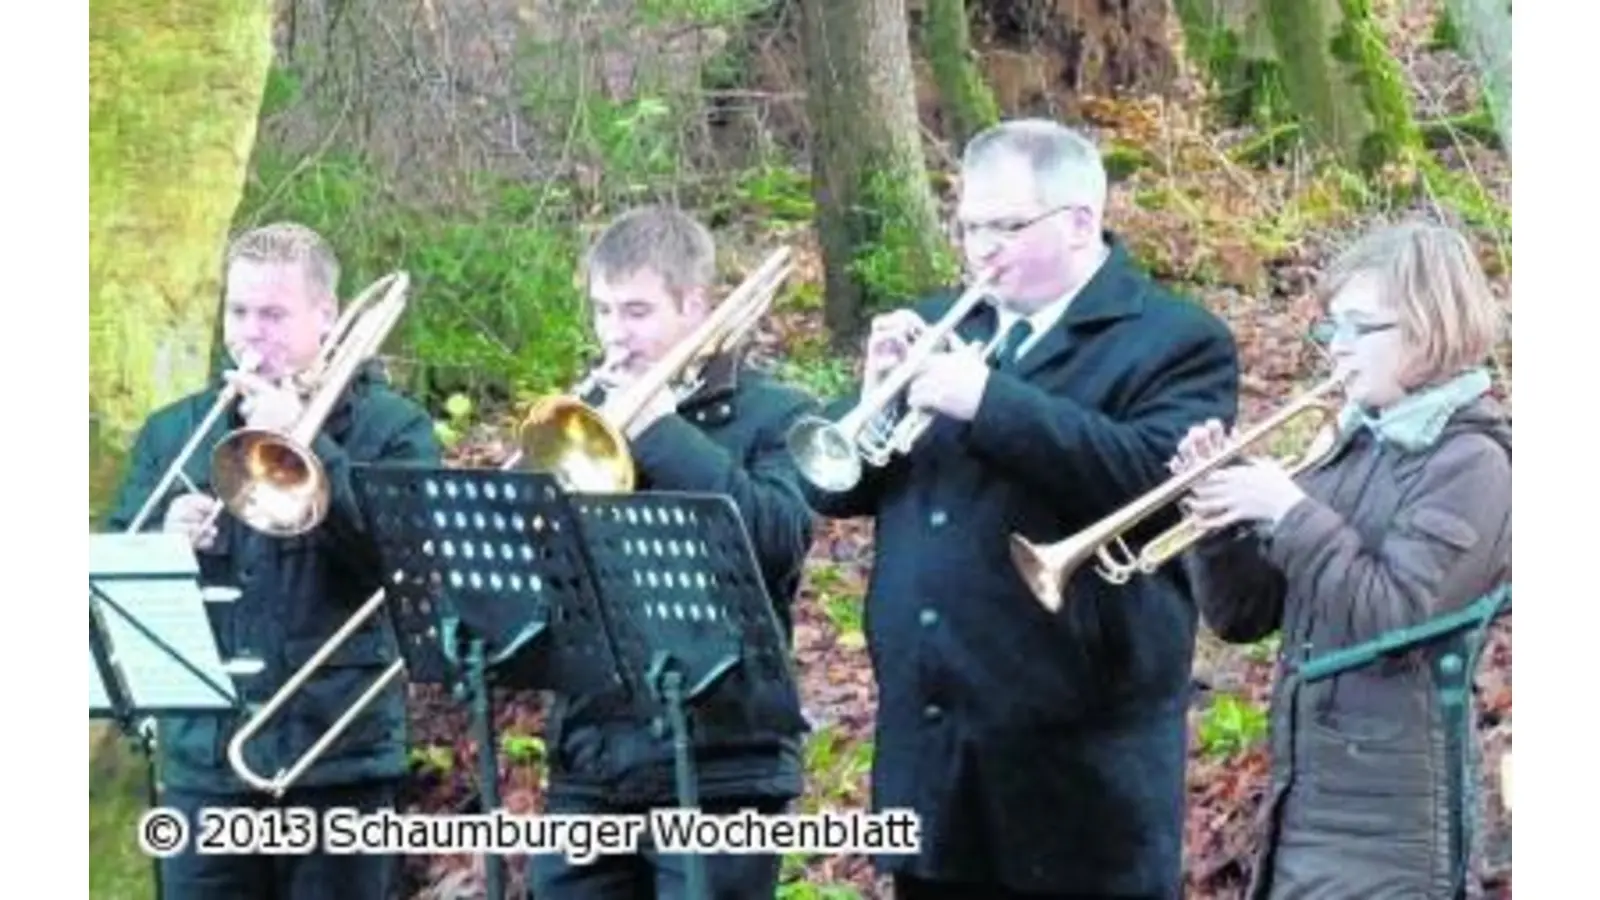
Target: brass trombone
{"type": "Point", "coordinates": [830, 454]}
{"type": "Point", "coordinates": [174, 473]}
{"type": "Point", "coordinates": [1047, 568]}
{"type": "Point", "coordinates": [274, 482]}
{"type": "Point", "coordinates": [586, 447]}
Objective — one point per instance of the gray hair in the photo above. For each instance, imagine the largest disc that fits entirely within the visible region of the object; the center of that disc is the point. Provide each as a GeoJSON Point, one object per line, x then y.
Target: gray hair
{"type": "Point", "coordinates": [290, 243]}
{"type": "Point", "coordinates": [1066, 165]}
{"type": "Point", "coordinates": [660, 239]}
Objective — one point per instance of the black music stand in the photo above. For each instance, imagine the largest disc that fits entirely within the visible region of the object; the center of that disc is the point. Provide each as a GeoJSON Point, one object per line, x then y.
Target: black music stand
{"type": "Point", "coordinates": [151, 647]}
{"type": "Point", "coordinates": [485, 574]}
{"type": "Point", "coordinates": [693, 626]}
{"type": "Point", "coordinates": [1451, 644]}
{"type": "Point", "coordinates": [647, 605]}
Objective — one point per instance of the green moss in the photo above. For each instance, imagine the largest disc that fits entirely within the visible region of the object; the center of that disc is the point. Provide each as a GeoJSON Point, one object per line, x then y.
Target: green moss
{"type": "Point", "coordinates": [1248, 80]}
{"type": "Point", "coordinates": [898, 255]}
{"type": "Point", "coordinates": [1122, 160]}
{"type": "Point", "coordinates": [173, 98]}
{"type": "Point", "coordinates": [1394, 136]}
{"type": "Point", "coordinates": [966, 97]}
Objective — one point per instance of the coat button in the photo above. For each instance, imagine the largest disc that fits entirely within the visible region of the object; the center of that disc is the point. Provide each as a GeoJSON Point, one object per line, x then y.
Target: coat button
{"type": "Point", "coordinates": [724, 409]}
{"type": "Point", "coordinates": [932, 712]}
{"type": "Point", "coordinates": [938, 518]}
{"type": "Point", "coordinates": [929, 617]}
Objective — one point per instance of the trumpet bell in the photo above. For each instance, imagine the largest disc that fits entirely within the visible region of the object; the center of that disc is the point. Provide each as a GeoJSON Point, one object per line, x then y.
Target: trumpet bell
{"type": "Point", "coordinates": [824, 454]}
{"type": "Point", "coordinates": [1043, 567]}
{"type": "Point", "coordinates": [570, 440]}
{"type": "Point", "coordinates": [269, 482]}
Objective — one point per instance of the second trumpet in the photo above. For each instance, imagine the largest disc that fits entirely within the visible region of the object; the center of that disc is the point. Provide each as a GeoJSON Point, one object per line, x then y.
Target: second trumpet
{"type": "Point", "coordinates": [1047, 568]}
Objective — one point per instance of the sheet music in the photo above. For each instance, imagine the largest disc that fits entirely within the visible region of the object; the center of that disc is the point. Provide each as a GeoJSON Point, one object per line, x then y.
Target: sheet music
{"type": "Point", "coordinates": [145, 553]}
{"type": "Point", "coordinates": [173, 609]}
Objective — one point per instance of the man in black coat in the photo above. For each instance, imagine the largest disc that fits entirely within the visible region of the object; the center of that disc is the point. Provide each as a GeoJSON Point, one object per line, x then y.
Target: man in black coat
{"type": "Point", "coordinates": [650, 277]}
{"type": "Point", "coordinates": [1043, 752]}
{"type": "Point", "coordinates": [295, 592]}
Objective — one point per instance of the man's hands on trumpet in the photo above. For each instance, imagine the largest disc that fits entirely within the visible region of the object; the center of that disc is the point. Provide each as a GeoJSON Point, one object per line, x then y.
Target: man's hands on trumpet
{"type": "Point", "coordinates": [1255, 490]}
{"type": "Point", "coordinates": [951, 382]}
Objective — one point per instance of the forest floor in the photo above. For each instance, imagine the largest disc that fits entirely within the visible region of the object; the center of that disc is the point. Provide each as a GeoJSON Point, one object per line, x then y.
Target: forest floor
{"type": "Point", "coordinates": [1245, 240]}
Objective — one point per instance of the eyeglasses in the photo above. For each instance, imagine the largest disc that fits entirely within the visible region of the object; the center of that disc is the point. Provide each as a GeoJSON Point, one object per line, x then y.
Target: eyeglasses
{"type": "Point", "coordinates": [1326, 331]}
{"type": "Point", "coordinates": [1002, 228]}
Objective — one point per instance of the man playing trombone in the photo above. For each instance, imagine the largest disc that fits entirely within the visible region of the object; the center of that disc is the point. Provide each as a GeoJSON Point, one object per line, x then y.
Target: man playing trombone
{"type": "Point", "coordinates": [1044, 752]}
{"type": "Point", "coordinates": [650, 277]}
{"type": "Point", "coordinates": [295, 591]}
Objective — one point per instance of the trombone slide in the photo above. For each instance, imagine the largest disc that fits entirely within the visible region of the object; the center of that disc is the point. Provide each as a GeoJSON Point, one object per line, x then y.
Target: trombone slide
{"type": "Point", "coordinates": [279, 784]}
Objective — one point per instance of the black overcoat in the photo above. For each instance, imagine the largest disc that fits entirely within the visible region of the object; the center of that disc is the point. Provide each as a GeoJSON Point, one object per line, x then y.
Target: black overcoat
{"type": "Point", "coordinates": [1042, 752]}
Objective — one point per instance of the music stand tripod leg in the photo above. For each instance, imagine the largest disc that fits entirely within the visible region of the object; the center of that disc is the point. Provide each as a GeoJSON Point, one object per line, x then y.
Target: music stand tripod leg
{"type": "Point", "coordinates": [666, 679]}
{"type": "Point", "coordinates": [476, 685]}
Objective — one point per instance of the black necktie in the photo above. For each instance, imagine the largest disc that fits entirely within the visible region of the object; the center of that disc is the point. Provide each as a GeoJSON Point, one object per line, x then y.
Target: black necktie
{"type": "Point", "coordinates": [1016, 336]}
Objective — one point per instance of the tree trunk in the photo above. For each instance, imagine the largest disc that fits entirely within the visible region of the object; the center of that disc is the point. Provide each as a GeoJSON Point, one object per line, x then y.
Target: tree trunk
{"type": "Point", "coordinates": [1231, 42]}
{"type": "Point", "coordinates": [174, 90]}
{"type": "Point", "coordinates": [1483, 35]}
{"type": "Point", "coordinates": [964, 97]}
{"type": "Point", "coordinates": [1343, 87]}
{"type": "Point", "coordinates": [876, 216]}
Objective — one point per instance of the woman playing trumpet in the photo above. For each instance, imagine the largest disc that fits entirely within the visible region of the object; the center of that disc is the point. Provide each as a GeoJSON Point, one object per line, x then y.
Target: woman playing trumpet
{"type": "Point", "coordinates": [1408, 517]}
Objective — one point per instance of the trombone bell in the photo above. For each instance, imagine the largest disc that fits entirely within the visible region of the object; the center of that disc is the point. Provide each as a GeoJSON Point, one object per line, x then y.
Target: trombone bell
{"type": "Point", "coordinates": [568, 439]}
{"type": "Point", "coordinates": [269, 482]}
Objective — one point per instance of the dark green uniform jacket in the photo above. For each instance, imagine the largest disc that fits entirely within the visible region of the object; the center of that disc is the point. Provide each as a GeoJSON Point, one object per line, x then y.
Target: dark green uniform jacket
{"type": "Point", "coordinates": [727, 438]}
{"type": "Point", "coordinates": [296, 592]}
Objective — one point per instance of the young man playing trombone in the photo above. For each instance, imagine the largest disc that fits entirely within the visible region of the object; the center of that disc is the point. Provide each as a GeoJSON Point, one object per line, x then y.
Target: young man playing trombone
{"type": "Point", "coordinates": [650, 279]}
{"type": "Point", "coordinates": [1044, 752]}
{"type": "Point", "coordinates": [294, 592]}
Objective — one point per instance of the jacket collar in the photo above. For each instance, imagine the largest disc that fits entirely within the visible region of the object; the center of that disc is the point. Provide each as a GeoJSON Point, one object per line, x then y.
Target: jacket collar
{"type": "Point", "coordinates": [1416, 421]}
{"type": "Point", "coordinates": [1115, 291]}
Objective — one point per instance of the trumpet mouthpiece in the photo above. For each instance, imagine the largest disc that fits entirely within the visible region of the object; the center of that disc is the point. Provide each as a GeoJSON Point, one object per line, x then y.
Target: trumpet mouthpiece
{"type": "Point", "coordinates": [1044, 582]}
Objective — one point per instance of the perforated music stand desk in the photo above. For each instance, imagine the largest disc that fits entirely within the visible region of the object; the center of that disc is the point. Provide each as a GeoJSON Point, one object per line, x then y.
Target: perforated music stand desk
{"type": "Point", "coordinates": [479, 566]}
{"type": "Point", "coordinates": [642, 604]}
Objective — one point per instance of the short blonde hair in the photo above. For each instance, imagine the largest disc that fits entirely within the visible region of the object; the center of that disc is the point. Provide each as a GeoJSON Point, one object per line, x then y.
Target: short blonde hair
{"type": "Point", "coordinates": [290, 243]}
{"type": "Point", "coordinates": [659, 239]}
{"type": "Point", "coordinates": [1431, 277]}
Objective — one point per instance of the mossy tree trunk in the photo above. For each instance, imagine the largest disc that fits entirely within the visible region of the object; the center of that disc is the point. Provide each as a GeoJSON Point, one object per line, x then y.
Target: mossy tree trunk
{"type": "Point", "coordinates": [965, 99]}
{"type": "Point", "coordinates": [1231, 40]}
{"type": "Point", "coordinates": [876, 215]}
{"type": "Point", "coordinates": [1482, 33]}
{"type": "Point", "coordinates": [174, 91]}
{"type": "Point", "coordinates": [1338, 82]}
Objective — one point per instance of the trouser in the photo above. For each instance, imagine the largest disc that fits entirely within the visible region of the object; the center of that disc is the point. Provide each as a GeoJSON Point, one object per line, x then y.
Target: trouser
{"type": "Point", "coordinates": [190, 875]}
{"type": "Point", "coordinates": [907, 887]}
{"type": "Point", "coordinates": [650, 874]}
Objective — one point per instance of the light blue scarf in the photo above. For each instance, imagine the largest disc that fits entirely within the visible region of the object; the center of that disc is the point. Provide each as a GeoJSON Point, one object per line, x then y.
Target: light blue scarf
{"type": "Point", "coordinates": [1417, 421]}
